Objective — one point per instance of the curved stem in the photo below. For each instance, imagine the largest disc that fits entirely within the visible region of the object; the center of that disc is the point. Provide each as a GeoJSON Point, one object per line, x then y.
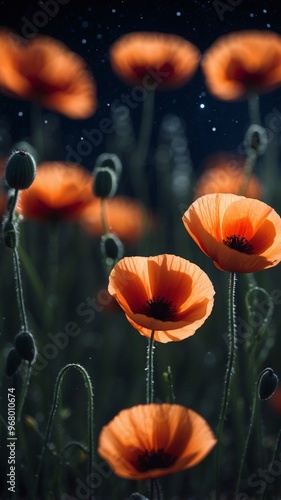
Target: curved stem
{"type": "Point", "coordinates": [150, 369]}
{"type": "Point", "coordinates": [53, 412]}
{"type": "Point", "coordinates": [228, 374]}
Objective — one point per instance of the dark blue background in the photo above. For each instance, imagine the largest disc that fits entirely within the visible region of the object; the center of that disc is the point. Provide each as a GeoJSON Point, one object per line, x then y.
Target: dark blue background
{"type": "Point", "coordinates": [89, 28]}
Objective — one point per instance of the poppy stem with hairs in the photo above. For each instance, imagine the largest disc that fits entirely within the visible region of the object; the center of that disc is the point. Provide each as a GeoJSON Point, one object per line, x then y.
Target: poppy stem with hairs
{"type": "Point", "coordinates": [90, 416]}
{"type": "Point", "coordinates": [228, 374]}
{"type": "Point", "coordinates": [149, 369]}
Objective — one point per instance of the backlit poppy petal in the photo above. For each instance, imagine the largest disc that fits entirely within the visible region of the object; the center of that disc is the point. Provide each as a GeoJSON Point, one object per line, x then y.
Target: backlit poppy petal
{"type": "Point", "coordinates": [155, 440]}
{"type": "Point", "coordinates": [46, 71]}
{"type": "Point", "coordinates": [59, 192]}
{"type": "Point", "coordinates": [239, 234]}
{"type": "Point", "coordinates": [154, 60]}
{"type": "Point", "coordinates": [243, 62]}
{"type": "Point", "coordinates": [166, 293]}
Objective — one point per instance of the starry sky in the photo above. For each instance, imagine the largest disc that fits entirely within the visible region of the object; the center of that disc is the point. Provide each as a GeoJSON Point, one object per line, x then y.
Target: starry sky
{"type": "Point", "coordinates": [89, 28]}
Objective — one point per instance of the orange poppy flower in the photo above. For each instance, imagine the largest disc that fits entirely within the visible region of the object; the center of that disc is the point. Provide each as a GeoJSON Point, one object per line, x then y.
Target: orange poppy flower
{"type": "Point", "coordinates": [225, 174]}
{"type": "Point", "coordinates": [239, 234]}
{"type": "Point", "coordinates": [166, 293]}
{"type": "Point", "coordinates": [125, 217]}
{"type": "Point", "coordinates": [59, 192]}
{"type": "Point", "coordinates": [46, 71]}
{"type": "Point", "coordinates": [155, 440]}
{"type": "Point", "coordinates": [241, 63]}
{"type": "Point", "coordinates": [154, 60]}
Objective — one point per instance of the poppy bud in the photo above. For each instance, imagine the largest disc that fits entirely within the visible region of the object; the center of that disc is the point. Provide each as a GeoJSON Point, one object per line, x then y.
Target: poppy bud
{"type": "Point", "coordinates": [112, 246]}
{"type": "Point", "coordinates": [267, 383]}
{"type": "Point", "coordinates": [111, 161]}
{"type": "Point", "coordinates": [25, 346]}
{"type": "Point", "coordinates": [20, 170]}
{"type": "Point", "coordinates": [12, 363]}
{"type": "Point", "coordinates": [10, 235]}
{"type": "Point", "coordinates": [105, 183]}
{"type": "Point", "coordinates": [255, 140]}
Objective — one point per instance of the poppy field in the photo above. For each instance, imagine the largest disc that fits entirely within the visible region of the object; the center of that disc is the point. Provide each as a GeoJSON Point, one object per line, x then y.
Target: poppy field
{"type": "Point", "coordinates": [140, 296]}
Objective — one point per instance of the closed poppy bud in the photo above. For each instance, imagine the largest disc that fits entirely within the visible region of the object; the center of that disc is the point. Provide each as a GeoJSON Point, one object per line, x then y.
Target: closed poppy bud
{"type": "Point", "coordinates": [255, 140]}
{"type": "Point", "coordinates": [267, 383]}
{"type": "Point", "coordinates": [10, 235]}
{"type": "Point", "coordinates": [109, 160]}
{"type": "Point", "coordinates": [20, 170]}
{"type": "Point", "coordinates": [105, 183]}
{"type": "Point", "coordinates": [25, 346]}
{"type": "Point", "coordinates": [112, 246]}
{"type": "Point", "coordinates": [12, 363]}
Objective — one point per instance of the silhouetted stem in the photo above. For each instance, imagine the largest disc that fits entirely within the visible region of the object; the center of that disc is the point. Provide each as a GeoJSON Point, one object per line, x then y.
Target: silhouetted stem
{"type": "Point", "coordinates": [228, 374]}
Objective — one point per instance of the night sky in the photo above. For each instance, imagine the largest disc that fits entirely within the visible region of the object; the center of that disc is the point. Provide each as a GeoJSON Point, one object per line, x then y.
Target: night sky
{"type": "Point", "coordinates": [89, 28]}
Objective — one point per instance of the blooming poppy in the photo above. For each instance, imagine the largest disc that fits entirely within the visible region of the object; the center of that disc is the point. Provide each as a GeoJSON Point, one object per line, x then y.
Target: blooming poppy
{"type": "Point", "coordinates": [44, 70]}
{"type": "Point", "coordinates": [166, 293]}
{"type": "Point", "coordinates": [239, 234]}
{"type": "Point", "coordinates": [243, 62]}
{"type": "Point", "coordinates": [224, 173]}
{"type": "Point", "coordinates": [127, 218]}
{"type": "Point", "coordinates": [155, 440]}
{"type": "Point", "coordinates": [59, 192]}
{"type": "Point", "coordinates": [154, 60]}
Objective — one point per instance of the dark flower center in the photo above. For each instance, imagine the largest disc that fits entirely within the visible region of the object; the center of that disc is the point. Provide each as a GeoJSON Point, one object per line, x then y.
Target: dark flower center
{"type": "Point", "coordinates": [159, 308]}
{"type": "Point", "coordinates": [239, 243]}
{"type": "Point", "coordinates": [148, 460]}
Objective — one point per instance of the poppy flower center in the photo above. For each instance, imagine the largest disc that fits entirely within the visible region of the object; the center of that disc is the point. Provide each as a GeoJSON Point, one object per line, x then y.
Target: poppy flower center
{"type": "Point", "coordinates": [239, 243]}
{"type": "Point", "coordinates": [159, 308]}
{"type": "Point", "coordinates": [148, 460]}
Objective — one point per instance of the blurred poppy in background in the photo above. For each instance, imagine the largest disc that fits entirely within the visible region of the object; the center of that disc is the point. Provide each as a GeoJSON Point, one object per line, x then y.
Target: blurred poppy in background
{"type": "Point", "coordinates": [154, 60]}
{"type": "Point", "coordinates": [155, 440]}
{"type": "Point", "coordinates": [59, 192]}
{"type": "Point", "coordinates": [125, 217]}
{"type": "Point", "coordinates": [241, 63]}
{"type": "Point", "coordinates": [224, 173]}
{"type": "Point", "coordinates": [239, 234]}
{"type": "Point", "coordinates": [166, 293]}
{"type": "Point", "coordinates": [45, 71]}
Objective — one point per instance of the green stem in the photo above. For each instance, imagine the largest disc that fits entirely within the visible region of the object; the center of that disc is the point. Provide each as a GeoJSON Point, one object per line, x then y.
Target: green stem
{"type": "Point", "coordinates": [19, 290]}
{"type": "Point", "coordinates": [103, 217]}
{"type": "Point", "coordinates": [13, 206]}
{"type": "Point", "coordinates": [24, 391]}
{"type": "Point", "coordinates": [53, 412]}
{"type": "Point", "coordinates": [273, 460]}
{"type": "Point", "coordinates": [149, 368]}
{"type": "Point", "coordinates": [247, 440]}
{"type": "Point", "coordinates": [228, 375]}
{"type": "Point", "coordinates": [254, 109]}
